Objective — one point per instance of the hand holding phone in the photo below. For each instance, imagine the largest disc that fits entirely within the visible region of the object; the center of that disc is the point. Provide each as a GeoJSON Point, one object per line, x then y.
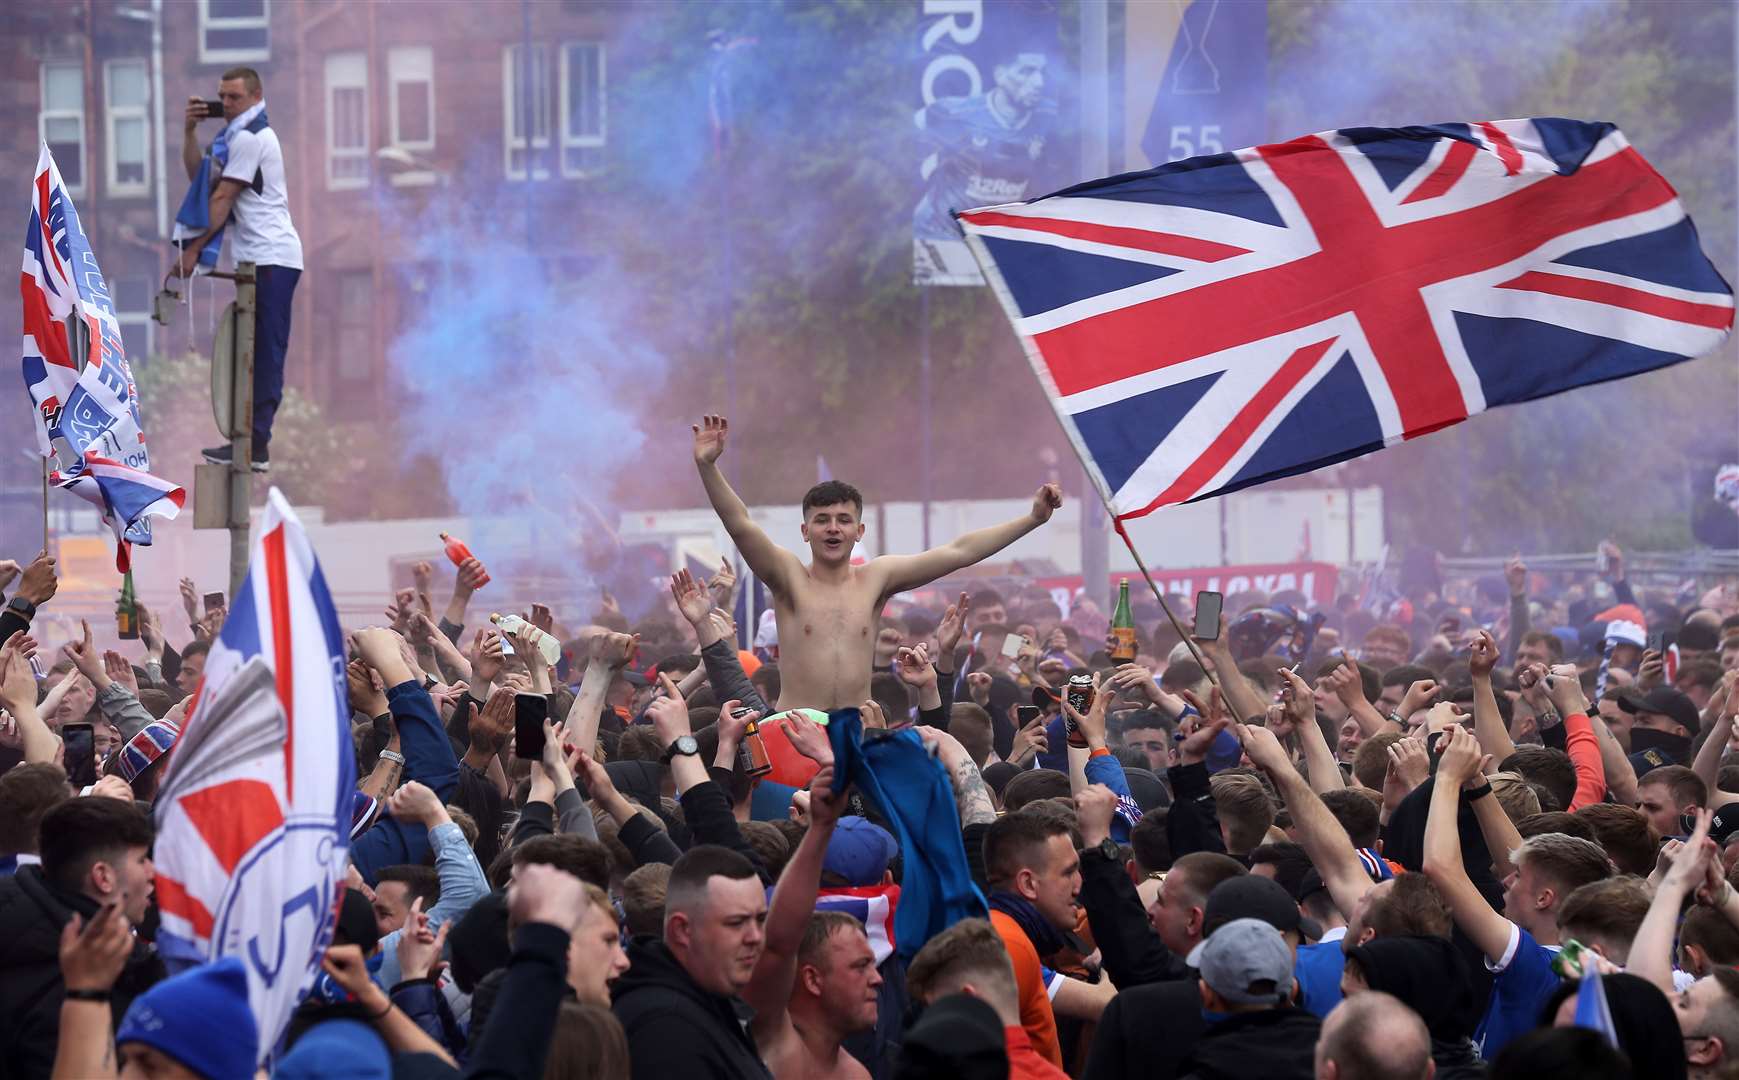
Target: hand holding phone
{"type": "Point", "coordinates": [529, 713]}
{"type": "Point", "coordinates": [80, 758]}
{"type": "Point", "coordinates": [1208, 607]}
{"type": "Point", "coordinates": [213, 602]}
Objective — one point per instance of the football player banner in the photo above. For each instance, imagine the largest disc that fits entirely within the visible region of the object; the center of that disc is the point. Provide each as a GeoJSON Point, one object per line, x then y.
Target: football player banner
{"type": "Point", "coordinates": [991, 127]}
{"type": "Point", "coordinates": [254, 812]}
{"type": "Point", "coordinates": [81, 388]}
{"type": "Point", "coordinates": [1225, 320]}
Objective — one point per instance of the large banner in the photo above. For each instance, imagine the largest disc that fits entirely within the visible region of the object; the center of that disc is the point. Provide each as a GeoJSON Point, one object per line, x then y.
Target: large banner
{"type": "Point", "coordinates": [1314, 579]}
{"type": "Point", "coordinates": [992, 123]}
{"type": "Point", "coordinates": [1195, 79]}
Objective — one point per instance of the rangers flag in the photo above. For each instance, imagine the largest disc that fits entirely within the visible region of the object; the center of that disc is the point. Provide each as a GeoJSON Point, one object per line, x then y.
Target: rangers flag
{"type": "Point", "coordinates": [1225, 320]}
{"type": "Point", "coordinates": [254, 811]}
{"type": "Point", "coordinates": [81, 389]}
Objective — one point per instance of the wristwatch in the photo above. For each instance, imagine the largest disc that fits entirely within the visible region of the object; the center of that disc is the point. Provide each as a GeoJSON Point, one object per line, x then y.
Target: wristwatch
{"type": "Point", "coordinates": [1106, 849]}
{"type": "Point", "coordinates": [684, 744]}
{"type": "Point", "coordinates": [22, 606]}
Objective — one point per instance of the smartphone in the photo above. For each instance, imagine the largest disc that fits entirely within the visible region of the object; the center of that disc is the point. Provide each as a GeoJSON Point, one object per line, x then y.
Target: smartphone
{"type": "Point", "coordinates": [1012, 645]}
{"type": "Point", "coordinates": [1025, 714]}
{"type": "Point", "coordinates": [213, 109]}
{"type": "Point", "coordinates": [213, 601]}
{"type": "Point", "coordinates": [81, 754]}
{"type": "Point", "coordinates": [1661, 640]}
{"type": "Point", "coordinates": [1208, 606]}
{"type": "Point", "coordinates": [529, 713]}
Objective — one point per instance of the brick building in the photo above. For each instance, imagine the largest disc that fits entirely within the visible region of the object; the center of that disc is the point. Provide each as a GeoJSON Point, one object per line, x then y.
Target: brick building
{"type": "Point", "coordinates": [378, 104]}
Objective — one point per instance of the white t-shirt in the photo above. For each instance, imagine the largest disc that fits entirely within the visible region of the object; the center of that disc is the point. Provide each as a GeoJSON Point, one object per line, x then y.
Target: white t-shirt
{"type": "Point", "coordinates": [260, 226]}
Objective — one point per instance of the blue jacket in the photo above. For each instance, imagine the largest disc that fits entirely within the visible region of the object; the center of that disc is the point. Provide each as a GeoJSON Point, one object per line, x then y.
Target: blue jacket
{"type": "Point", "coordinates": [429, 761]}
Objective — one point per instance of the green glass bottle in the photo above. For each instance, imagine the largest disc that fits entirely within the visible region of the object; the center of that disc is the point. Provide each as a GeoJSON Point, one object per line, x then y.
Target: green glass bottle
{"type": "Point", "coordinates": [127, 611]}
{"type": "Point", "coordinates": [1123, 628]}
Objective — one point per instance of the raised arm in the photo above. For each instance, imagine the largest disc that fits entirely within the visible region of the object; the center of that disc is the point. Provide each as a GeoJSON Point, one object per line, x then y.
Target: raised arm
{"type": "Point", "coordinates": [770, 562]}
{"type": "Point", "coordinates": [1321, 833]}
{"type": "Point", "coordinates": [903, 572]}
{"type": "Point", "coordinates": [769, 989]}
{"type": "Point", "coordinates": [1488, 930]}
{"type": "Point", "coordinates": [1246, 704]}
{"type": "Point", "coordinates": [1651, 951]}
{"type": "Point", "coordinates": [1319, 762]}
{"type": "Point", "coordinates": [610, 654]}
{"type": "Point", "coordinates": [1488, 723]}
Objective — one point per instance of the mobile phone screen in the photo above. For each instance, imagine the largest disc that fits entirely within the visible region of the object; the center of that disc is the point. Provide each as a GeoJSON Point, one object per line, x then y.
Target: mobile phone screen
{"type": "Point", "coordinates": [1026, 714]}
{"type": "Point", "coordinates": [1208, 605]}
{"type": "Point", "coordinates": [81, 754]}
{"type": "Point", "coordinates": [1011, 645]}
{"type": "Point", "coordinates": [529, 713]}
{"type": "Point", "coordinates": [213, 601]}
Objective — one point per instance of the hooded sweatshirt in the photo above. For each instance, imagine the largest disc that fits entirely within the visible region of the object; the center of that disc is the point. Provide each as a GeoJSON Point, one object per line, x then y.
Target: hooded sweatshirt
{"type": "Point", "coordinates": [675, 1028]}
{"type": "Point", "coordinates": [1275, 1044]}
{"type": "Point", "coordinates": [1429, 976]}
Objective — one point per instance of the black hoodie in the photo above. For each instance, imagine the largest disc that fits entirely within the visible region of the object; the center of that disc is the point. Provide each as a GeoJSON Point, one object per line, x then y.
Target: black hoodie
{"type": "Point", "coordinates": [676, 1030]}
{"type": "Point", "coordinates": [1274, 1044]}
{"type": "Point", "coordinates": [1429, 976]}
{"type": "Point", "coordinates": [32, 913]}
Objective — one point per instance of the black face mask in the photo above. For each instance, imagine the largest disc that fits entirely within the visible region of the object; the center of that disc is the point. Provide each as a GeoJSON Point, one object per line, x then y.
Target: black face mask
{"type": "Point", "coordinates": [1668, 743]}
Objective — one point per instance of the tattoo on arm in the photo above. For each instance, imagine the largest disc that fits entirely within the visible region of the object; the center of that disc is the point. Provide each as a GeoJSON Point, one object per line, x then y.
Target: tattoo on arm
{"type": "Point", "coordinates": [972, 796]}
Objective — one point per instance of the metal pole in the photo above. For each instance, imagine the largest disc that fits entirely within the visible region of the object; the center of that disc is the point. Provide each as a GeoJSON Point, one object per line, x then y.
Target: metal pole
{"type": "Point", "coordinates": [1095, 161]}
{"type": "Point", "coordinates": [241, 468]}
{"type": "Point", "coordinates": [161, 180]}
{"type": "Point", "coordinates": [924, 474]}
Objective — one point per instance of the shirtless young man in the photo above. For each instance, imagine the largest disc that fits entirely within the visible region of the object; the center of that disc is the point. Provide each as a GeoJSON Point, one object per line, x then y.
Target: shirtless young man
{"type": "Point", "coordinates": [827, 611]}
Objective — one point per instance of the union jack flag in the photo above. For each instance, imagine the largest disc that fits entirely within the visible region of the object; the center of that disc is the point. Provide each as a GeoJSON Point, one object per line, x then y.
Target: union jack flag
{"type": "Point", "coordinates": [1226, 320]}
{"type": "Point", "coordinates": [254, 811]}
{"type": "Point", "coordinates": [75, 368]}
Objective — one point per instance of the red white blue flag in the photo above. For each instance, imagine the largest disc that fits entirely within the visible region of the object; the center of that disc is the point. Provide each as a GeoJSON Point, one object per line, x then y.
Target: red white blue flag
{"type": "Point", "coordinates": [1225, 320]}
{"type": "Point", "coordinates": [81, 389]}
{"type": "Point", "coordinates": [253, 814]}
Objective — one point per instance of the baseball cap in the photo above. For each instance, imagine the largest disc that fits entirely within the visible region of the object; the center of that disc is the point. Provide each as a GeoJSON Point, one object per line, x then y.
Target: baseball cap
{"type": "Point", "coordinates": [1246, 962]}
{"type": "Point", "coordinates": [859, 851]}
{"type": "Point", "coordinates": [1252, 896]}
{"type": "Point", "coordinates": [1674, 704]}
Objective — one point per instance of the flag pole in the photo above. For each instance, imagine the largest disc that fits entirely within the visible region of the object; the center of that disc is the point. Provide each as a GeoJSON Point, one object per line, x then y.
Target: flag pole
{"type": "Point", "coordinates": [1117, 523]}
{"type": "Point", "coordinates": [44, 504]}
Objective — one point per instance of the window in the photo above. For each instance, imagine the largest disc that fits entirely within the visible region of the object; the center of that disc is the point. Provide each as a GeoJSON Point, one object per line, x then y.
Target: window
{"type": "Point", "coordinates": [61, 123]}
{"type": "Point", "coordinates": [525, 99]}
{"type": "Point", "coordinates": [234, 30]}
{"type": "Point", "coordinates": [582, 108]}
{"type": "Point", "coordinates": [352, 385]}
{"type": "Point", "coordinates": [131, 294]}
{"type": "Point", "coordinates": [411, 108]}
{"type": "Point", "coordinates": [127, 130]}
{"type": "Point", "coordinates": [346, 120]}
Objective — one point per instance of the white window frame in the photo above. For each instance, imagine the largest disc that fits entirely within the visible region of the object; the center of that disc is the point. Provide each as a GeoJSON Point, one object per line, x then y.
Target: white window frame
{"type": "Point", "coordinates": [208, 21]}
{"type": "Point", "coordinates": [574, 142]}
{"type": "Point", "coordinates": [113, 113]}
{"type": "Point", "coordinates": [44, 114]}
{"type": "Point", "coordinates": [531, 144]}
{"type": "Point", "coordinates": [410, 64]}
{"type": "Point", "coordinates": [354, 79]}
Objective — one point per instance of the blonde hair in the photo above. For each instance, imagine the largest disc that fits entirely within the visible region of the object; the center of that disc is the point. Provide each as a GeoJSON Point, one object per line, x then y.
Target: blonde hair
{"type": "Point", "coordinates": [1512, 792]}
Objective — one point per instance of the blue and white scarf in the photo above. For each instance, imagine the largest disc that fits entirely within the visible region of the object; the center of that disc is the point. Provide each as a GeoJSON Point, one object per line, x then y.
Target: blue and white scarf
{"type": "Point", "coordinates": [194, 218]}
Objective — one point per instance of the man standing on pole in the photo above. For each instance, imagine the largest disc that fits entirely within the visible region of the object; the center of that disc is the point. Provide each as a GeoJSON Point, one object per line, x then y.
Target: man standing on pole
{"type": "Point", "coordinates": [239, 180]}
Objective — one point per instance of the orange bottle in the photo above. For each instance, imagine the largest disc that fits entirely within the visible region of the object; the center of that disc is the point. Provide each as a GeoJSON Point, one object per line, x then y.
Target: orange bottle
{"type": "Point", "coordinates": [458, 552]}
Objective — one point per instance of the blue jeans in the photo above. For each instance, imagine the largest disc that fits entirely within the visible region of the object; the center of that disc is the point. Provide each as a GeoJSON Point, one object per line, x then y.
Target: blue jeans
{"type": "Point", "coordinates": [274, 289]}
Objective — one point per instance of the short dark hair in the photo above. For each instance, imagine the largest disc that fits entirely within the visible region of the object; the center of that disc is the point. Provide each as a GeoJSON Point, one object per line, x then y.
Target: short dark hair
{"type": "Point", "coordinates": [823, 925]}
{"type": "Point", "coordinates": [26, 794]}
{"type": "Point", "coordinates": [249, 77]}
{"type": "Point", "coordinates": [986, 597]}
{"type": "Point", "coordinates": [1406, 675]}
{"type": "Point", "coordinates": [766, 680]}
{"type": "Point", "coordinates": [769, 843]}
{"type": "Point", "coordinates": [698, 865]}
{"type": "Point", "coordinates": [1412, 907]}
{"type": "Point", "coordinates": [1013, 842]}
{"type": "Point", "coordinates": [1683, 784]}
{"type": "Point", "coordinates": [1709, 930]}
{"type": "Point", "coordinates": [418, 881]}
{"type": "Point", "coordinates": [1356, 813]}
{"type": "Point", "coordinates": [1289, 860]}
{"type": "Point", "coordinates": [643, 899]}
{"type": "Point", "coordinates": [80, 833]}
{"type": "Point", "coordinates": [639, 743]}
{"type": "Point", "coordinates": [1625, 834]}
{"type": "Point", "coordinates": [1033, 785]}
{"type": "Point", "coordinates": [1371, 759]}
{"type": "Point", "coordinates": [1608, 911]}
{"type": "Point", "coordinates": [831, 493]}
{"type": "Point", "coordinates": [1556, 821]}
{"type": "Point", "coordinates": [195, 648]}
{"type": "Point", "coordinates": [587, 860]}
{"type": "Point", "coordinates": [1553, 643]}
{"type": "Point", "coordinates": [1547, 765]}
{"type": "Point", "coordinates": [1149, 840]}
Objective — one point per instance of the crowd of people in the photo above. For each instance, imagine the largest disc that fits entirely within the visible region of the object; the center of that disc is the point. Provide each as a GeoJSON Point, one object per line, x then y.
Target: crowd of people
{"type": "Point", "coordinates": [1491, 834]}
